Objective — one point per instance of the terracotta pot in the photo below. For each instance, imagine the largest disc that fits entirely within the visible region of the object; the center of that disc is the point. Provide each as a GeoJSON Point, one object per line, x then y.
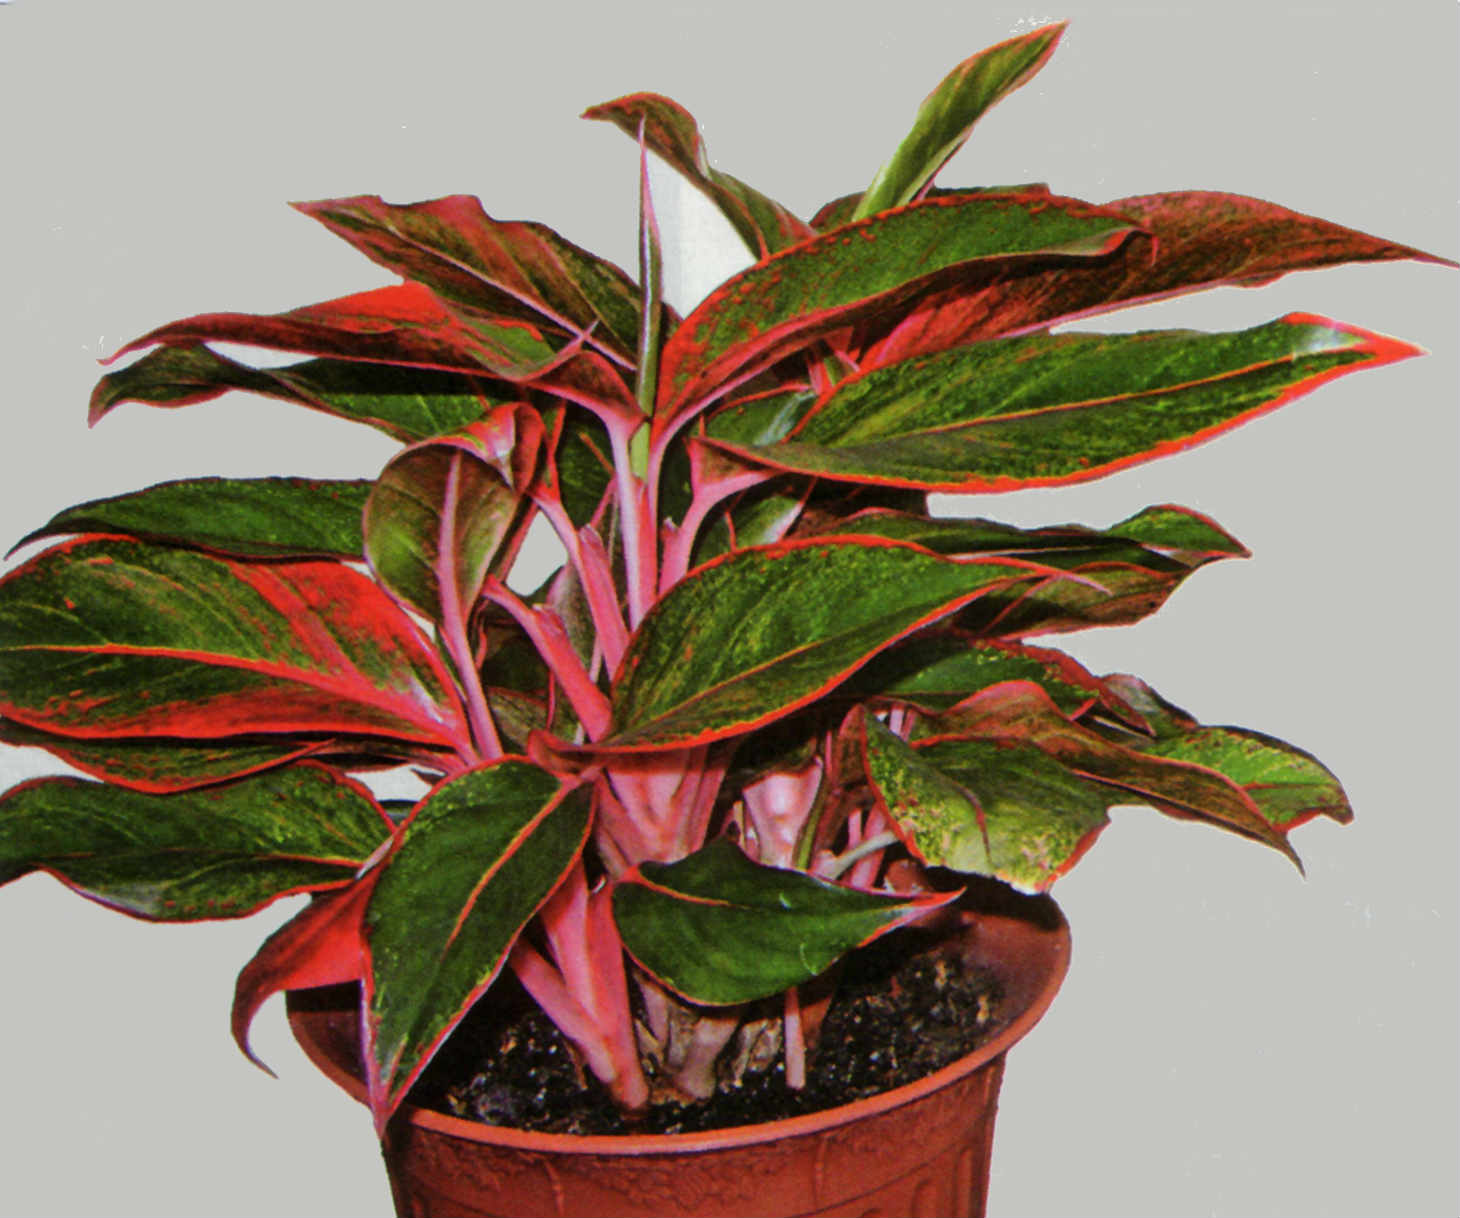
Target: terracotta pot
{"type": "Point", "coordinates": [920, 1150]}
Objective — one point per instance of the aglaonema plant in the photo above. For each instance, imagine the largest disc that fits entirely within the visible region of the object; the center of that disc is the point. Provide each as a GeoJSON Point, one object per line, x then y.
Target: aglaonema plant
{"type": "Point", "coordinates": [768, 708]}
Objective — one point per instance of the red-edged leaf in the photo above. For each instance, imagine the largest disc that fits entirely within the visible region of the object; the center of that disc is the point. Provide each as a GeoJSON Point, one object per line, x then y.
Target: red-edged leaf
{"type": "Point", "coordinates": [252, 517]}
{"type": "Point", "coordinates": [476, 861]}
{"type": "Point", "coordinates": [947, 115]}
{"type": "Point", "coordinates": [998, 809]}
{"type": "Point", "coordinates": [491, 267]}
{"type": "Point", "coordinates": [441, 510]}
{"type": "Point", "coordinates": [1127, 570]}
{"type": "Point", "coordinates": [404, 324]}
{"type": "Point", "coordinates": [717, 928]}
{"type": "Point", "coordinates": [1019, 713]}
{"type": "Point", "coordinates": [670, 131]}
{"type": "Point", "coordinates": [756, 635]}
{"type": "Point", "coordinates": [222, 852]}
{"type": "Point", "coordinates": [936, 670]}
{"type": "Point", "coordinates": [323, 944]}
{"type": "Point", "coordinates": [160, 765]}
{"type": "Point", "coordinates": [790, 299]}
{"type": "Point", "coordinates": [1289, 785]}
{"type": "Point", "coordinates": [1189, 240]}
{"type": "Point", "coordinates": [406, 403]}
{"type": "Point", "coordinates": [117, 637]}
{"type": "Point", "coordinates": [975, 419]}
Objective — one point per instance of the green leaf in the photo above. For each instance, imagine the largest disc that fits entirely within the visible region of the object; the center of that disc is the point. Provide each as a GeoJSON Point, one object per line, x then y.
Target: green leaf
{"type": "Point", "coordinates": [478, 859]}
{"type": "Point", "coordinates": [1006, 811]}
{"type": "Point", "coordinates": [440, 511]}
{"type": "Point", "coordinates": [1289, 785]}
{"type": "Point", "coordinates": [160, 765]}
{"type": "Point", "coordinates": [1051, 409]}
{"type": "Point", "coordinates": [717, 928]}
{"type": "Point", "coordinates": [1020, 714]}
{"type": "Point", "coordinates": [1126, 571]}
{"type": "Point", "coordinates": [1176, 533]}
{"type": "Point", "coordinates": [482, 265]}
{"type": "Point", "coordinates": [760, 633]}
{"type": "Point", "coordinates": [1188, 241]}
{"type": "Point", "coordinates": [405, 403]}
{"type": "Point", "coordinates": [253, 517]}
{"type": "Point", "coordinates": [790, 299]}
{"type": "Point", "coordinates": [935, 671]}
{"type": "Point", "coordinates": [670, 132]}
{"type": "Point", "coordinates": [116, 637]}
{"type": "Point", "coordinates": [948, 114]}
{"type": "Point", "coordinates": [216, 853]}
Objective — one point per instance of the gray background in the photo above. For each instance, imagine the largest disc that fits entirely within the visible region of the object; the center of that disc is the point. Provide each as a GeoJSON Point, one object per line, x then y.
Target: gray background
{"type": "Point", "coordinates": [1232, 1039]}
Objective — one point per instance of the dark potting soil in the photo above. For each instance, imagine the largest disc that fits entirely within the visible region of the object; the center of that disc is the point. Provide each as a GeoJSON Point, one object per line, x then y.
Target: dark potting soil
{"type": "Point", "coordinates": [895, 1019]}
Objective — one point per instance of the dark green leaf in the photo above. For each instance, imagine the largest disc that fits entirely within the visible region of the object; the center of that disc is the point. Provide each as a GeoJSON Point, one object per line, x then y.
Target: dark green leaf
{"type": "Point", "coordinates": [717, 928]}
{"type": "Point", "coordinates": [253, 517]}
{"type": "Point", "coordinates": [754, 636]}
{"type": "Point", "coordinates": [159, 765]}
{"type": "Point", "coordinates": [405, 403]}
{"type": "Point", "coordinates": [217, 853]}
{"type": "Point", "coordinates": [470, 869]}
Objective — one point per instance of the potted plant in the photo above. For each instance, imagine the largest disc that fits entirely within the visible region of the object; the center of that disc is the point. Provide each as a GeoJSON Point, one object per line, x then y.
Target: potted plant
{"type": "Point", "coordinates": [764, 667]}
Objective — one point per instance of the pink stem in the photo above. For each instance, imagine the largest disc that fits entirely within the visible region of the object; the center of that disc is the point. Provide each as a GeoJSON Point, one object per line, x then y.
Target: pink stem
{"type": "Point", "coordinates": [590, 560]}
{"type": "Point", "coordinates": [453, 622]}
{"type": "Point", "coordinates": [608, 1050]}
{"type": "Point", "coordinates": [545, 631]}
{"type": "Point", "coordinates": [639, 540]}
{"type": "Point", "coordinates": [707, 497]}
{"type": "Point", "coordinates": [794, 1041]}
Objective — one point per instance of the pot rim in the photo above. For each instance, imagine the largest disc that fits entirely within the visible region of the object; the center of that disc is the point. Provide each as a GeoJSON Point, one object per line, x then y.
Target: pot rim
{"type": "Point", "coordinates": [1044, 939]}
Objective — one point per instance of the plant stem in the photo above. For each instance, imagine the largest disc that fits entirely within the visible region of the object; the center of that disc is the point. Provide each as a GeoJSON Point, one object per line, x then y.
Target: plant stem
{"type": "Point", "coordinates": [544, 629]}
{"type": "Point", "coordinates": [453, 623]}
{"type": "Point", "coordinates": [835, 867]}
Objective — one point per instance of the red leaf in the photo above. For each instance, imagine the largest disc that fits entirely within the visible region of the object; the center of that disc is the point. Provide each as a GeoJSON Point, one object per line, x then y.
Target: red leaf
{"type": "Point", "coordinates": [404, 324]}
{"type": "Point", "coordinates": [323, 944]}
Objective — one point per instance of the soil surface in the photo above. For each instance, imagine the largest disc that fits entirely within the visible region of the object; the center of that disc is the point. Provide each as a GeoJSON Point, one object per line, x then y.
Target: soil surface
{"type": "Point", "coordinates": [895, 1019]}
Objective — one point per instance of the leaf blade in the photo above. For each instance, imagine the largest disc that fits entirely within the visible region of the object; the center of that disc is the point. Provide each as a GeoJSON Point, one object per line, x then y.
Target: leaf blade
{"type": "Point", "coordinates": [670, 132]}
{"type": "Point", "coordinates": [754, 635]}
{"type": "Point", "coordinates": [468, 259]}
{"type": "Point", "coordinates": [223, 852]}
{"type": "Point", "coordinates": [478, 858]}
{"type": "Point", "coordinates": [406, 403]}
{"type": "Point", "coordinates": [790, 299]}
{"type": "Point", "coordinates": [947, 115]}
{"type": "Point", "coordinates": [717, 928]}
{"type": "Point", "coordinates": [116, 637]}
{"type": "Point", "coordinates": [1187, 241]}
{"type": "Point", "coordinates": [973, 419]}
{"type": "Point", "coordinates": [1006, 811]}
{"type": "Point", "coordinates": [250, 517]}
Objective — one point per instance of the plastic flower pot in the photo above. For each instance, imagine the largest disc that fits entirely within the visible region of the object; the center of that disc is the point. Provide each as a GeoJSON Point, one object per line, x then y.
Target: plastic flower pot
{"type": "Point", "coordinates": [920, 1150]}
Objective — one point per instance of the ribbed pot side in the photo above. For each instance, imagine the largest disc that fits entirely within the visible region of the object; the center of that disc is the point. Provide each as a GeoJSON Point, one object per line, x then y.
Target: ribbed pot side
{"type": "Point", "coordinates": [921, 1150]}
